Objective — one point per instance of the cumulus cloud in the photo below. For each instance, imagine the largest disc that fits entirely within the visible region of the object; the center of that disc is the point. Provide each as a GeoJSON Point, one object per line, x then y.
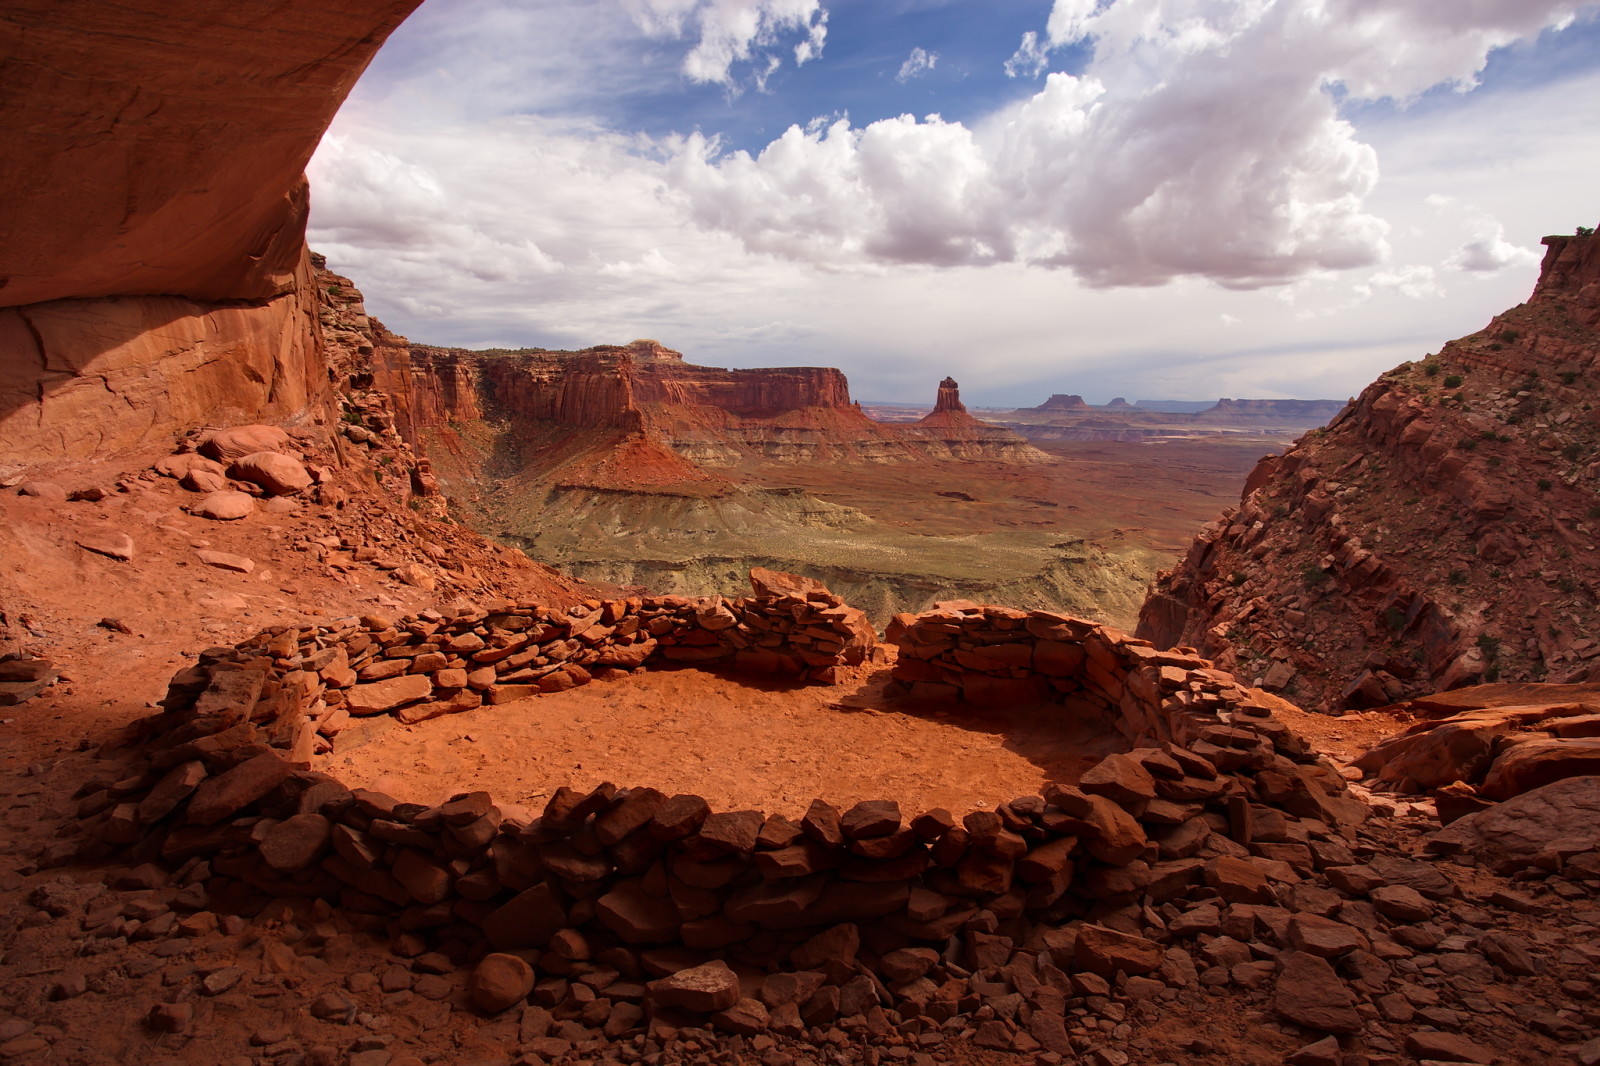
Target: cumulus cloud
{"type": "Point", "coordinates": [1203, 139]}
{"type": "Point", "coordinates": [1488, 251]}
{"type": "Point", "coordinates": [1030, 59]}
{"type": "Point", "coordinates": [918, 63]}
{"type": "Point", "coordinates": [729, 32]}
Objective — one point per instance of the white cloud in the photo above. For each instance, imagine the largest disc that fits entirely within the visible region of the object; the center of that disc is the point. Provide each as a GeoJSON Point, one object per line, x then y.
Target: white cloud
{"type": "Point", "coordinates": [1029, 60]}
{"type": "Point", "coordinates": [1489, 252]}
{"type": "Point", "coordinates": [1202, 140]}
{"type": "Point", "coordinates": [727, 32]}
{"type": "Point", "coordinates": [1418, 281]}
{"type": "Point", "coordinates": [918, 63]}
{"type": "Point", "coordinates": [904, 250]}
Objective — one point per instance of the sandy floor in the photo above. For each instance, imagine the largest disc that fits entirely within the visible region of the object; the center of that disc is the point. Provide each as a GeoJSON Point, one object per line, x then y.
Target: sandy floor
{"type": "Point", "coordinates": [739, 745]}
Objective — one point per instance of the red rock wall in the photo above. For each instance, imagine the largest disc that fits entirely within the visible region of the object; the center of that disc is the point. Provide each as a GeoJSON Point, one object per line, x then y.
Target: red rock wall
{"type": "Point", "coordinates": [156, 147]}
{"type": "Point", "coordinates": [1571, 272]}
{"type": "Point", "coordinates": [87, 379]}
{"type": "Point", "coordinates": [1433, 534]}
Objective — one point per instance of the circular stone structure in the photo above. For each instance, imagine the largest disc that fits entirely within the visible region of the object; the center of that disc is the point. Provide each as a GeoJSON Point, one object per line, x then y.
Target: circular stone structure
{"type": "Point", "coordinates": [228, 796]}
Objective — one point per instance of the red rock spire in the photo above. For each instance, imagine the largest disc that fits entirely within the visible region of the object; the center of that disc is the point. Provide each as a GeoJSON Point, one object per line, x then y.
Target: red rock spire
{"type": "Point", "coordinates": [949, 397]}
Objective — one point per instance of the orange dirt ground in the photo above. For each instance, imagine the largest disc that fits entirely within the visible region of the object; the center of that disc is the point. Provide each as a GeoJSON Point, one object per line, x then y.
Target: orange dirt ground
{"type": "Point", "coordinates": [737, 743]}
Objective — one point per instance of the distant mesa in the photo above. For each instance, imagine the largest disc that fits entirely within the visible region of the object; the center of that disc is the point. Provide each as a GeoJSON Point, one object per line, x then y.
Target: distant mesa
{"type": "Point", "coordinates": [1119, 402]}
{"type": "Point", "coordinates": [1060, 402]}
{"type": "Point", "coordinates": [1297, 410]}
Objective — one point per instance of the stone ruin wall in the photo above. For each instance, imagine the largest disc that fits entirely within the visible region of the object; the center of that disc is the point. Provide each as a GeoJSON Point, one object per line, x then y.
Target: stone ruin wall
{"type": "Point", "coordinates": [1216, 793]}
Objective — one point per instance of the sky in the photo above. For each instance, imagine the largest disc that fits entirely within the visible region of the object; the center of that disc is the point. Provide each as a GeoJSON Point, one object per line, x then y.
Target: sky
{"type": "Point", "coordinates": [1154, 199]}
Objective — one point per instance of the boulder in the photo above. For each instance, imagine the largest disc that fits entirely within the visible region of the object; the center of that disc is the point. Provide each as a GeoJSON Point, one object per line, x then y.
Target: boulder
{"type": "Point", "coordinates": [226, 445]}
{"type": "Point", "coordinates": [224, 506]}
{"type": "Point", "coordinates": [226, 561]}
{"type": "Point", "coordinates": [51, 491]}
{"type": "Point", "coordinates": [499, 982]}
{"type": "Point", "coordinates": [181, 466]}
{"type": "Point", "coordinates": [276, 473]}
{"type": "Point", "coordinates": [1556, 817]}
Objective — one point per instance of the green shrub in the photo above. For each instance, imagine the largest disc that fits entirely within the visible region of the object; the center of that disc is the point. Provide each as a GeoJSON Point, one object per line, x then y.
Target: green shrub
{"type": "Point", "coordinates": [1313, 575]}
{"type": "Point", "coordinates": [1586, 231]}
{"type": "Point", "coordinates": [1568, 376]}
{"type": "Point", "coordinates": [1510, 335]}
{"type": "Point", "coordinates": [1545, 484]}
{"type": "Point", "coordinates": [1430, 368]}
{"type": "Point", "coordinates": [1452, 381]}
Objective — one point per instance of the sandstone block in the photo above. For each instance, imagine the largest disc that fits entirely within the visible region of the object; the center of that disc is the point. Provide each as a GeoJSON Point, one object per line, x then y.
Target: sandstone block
{"type": "Point", "coordinates": [226, 561]}
{"type": "Point", "coordinates": [218, 797]}
{"type": "Point", "coordinates": [638, 917]}
{"type": "Point", "coordinates": [1237, 880]}
{"type": "Point", "coordinates": [296, 842]}
{"type": "Point", "coordinates": [377, 697]}
{"type": "Point", "coordinates": [1107, 952]}
{"type": "Point", "coordinates": [1309, 993]}
{"type": "Point", "coordinates": [870, 818]}
{"type": "Point", "coordinates": [528, 920]}
{"type": "Point", "coordinates": [114, 545]}
{"type": "Point", "coordinates": [173, 788]}
{"type": "Point", "coordinates": [703, 989]}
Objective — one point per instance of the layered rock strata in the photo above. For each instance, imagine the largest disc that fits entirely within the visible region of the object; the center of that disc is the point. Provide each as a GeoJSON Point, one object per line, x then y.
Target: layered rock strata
{"type": "Point", "coordinates": [1437, 533]}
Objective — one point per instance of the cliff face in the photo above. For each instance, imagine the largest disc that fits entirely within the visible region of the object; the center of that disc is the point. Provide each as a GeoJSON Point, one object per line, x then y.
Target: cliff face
{"type": "Point", "coordinates": [156, 147]}
{"type": "Point", "coordinates": [1438, 532]}
{"type": "Point", "coordinates": [87, 379]}
{"type": "Point", "coordinates": [153, 270]}
{"type": "Point", "coordinates": [705, 415]}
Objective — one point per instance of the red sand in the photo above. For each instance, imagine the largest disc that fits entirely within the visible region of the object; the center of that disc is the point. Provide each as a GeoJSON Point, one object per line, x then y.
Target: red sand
{"type": "Point", "coordinates": [737, 744]}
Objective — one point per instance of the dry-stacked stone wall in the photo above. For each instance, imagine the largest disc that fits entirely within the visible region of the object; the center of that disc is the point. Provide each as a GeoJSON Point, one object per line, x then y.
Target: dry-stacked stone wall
{"type": "Point", "coordinates": [1001, 656]}
{"type": "Point", "coordinates": [846, 911]}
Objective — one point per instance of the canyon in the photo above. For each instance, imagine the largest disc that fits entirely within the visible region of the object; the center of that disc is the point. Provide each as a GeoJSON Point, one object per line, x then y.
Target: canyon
{"type": "Point", "coordinates": [628, 466]}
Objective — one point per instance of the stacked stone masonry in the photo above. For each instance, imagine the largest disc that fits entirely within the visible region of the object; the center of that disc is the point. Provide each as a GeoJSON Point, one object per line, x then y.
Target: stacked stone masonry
{"type": "Point", "coordinates": [856, 905]}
